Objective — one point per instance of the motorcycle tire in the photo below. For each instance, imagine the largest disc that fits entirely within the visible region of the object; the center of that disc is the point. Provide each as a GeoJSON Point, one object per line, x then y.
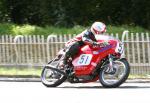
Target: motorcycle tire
{"type": "Point", "coordinates": [122, 80]}
{"type": "Point", "coordinates": [56, 83]}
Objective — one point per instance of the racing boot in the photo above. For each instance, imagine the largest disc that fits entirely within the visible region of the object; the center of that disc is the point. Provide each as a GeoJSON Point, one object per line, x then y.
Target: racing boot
{"type": "Point", "coordinates": [62, 63]}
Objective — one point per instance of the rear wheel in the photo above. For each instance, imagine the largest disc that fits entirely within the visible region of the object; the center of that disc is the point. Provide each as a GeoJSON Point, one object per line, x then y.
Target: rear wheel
{"type": "Point", "coordinates": [115, 78]}
{"type": "Point", "coordinates": [52, 77]}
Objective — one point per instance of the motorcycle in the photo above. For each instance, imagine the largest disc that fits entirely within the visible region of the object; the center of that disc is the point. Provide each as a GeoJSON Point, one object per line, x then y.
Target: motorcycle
{"type": "Point", "coordinates": [105, 63]}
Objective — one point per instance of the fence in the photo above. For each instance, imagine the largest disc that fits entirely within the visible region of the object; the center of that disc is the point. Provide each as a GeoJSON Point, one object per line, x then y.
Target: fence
{"type": "Point", "coordinates": [138, 52]}
{"type": "Point", "coordinates": [37, 50]}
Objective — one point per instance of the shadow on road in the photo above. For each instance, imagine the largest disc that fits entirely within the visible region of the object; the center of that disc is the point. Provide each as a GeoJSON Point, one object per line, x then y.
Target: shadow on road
{"type": "Point", "coordinates": [135, 87]}
{"type": "Point", "coordinates": [100, 87]}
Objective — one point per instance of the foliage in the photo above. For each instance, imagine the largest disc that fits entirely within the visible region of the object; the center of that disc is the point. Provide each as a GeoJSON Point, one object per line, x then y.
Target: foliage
{"type": "Point", "coordinates": [76, 12]}
{"type": "Point", "coordinates": [26, 29]}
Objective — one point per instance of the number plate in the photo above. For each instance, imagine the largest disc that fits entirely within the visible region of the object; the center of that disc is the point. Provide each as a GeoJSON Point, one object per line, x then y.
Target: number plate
{"type": "Point", "coordinates": [84, 59]}
{"type": "Point", "coordinates": [119, 48]}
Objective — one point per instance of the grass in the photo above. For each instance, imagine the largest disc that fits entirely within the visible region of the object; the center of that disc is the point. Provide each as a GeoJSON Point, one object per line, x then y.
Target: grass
{"type": "Point", "coordinates": [135, 76]}
{"type": "Point", "coordinates": [26, 29]}
{"type": "Point", "coordinates": [13, 29]}
{"type": "Point", "coordinates": [131, 29]}
{"type": "Point", "coordinates": [20, 72]}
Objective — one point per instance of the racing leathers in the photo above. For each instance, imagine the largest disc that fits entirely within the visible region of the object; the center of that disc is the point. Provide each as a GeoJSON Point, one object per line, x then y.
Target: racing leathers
{"type": "Point", "coordinates": [73, 45]}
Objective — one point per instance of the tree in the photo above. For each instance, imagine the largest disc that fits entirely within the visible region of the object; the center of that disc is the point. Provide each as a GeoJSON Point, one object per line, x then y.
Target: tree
{"type": "Point", "coordinates": [76, 12]}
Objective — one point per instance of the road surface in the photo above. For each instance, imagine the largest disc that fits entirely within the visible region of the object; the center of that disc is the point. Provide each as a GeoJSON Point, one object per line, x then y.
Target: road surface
{"type": "Point", "coordinates": [36, 92]}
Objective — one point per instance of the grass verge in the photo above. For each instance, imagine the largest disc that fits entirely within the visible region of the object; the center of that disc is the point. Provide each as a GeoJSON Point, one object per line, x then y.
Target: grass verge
{"type": "Point", "coordinates": [36, 72]}
{"type": "Point", "coordinates": [22, 72]}
{"type": "Point", "coordinates": [14, 29]}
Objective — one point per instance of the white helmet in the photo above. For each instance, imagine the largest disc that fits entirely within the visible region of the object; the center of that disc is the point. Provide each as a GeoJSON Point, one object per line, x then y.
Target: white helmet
{"type": "Point", "coordinates": [98, 28]}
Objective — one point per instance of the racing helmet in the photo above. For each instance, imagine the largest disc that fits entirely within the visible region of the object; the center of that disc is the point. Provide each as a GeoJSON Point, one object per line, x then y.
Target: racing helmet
{"type": "Point", "coordinates": [98, 28]}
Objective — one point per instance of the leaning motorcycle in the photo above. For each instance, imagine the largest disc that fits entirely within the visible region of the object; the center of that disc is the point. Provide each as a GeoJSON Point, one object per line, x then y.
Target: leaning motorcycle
{"type": "Point", "coordinates": [105, 63]}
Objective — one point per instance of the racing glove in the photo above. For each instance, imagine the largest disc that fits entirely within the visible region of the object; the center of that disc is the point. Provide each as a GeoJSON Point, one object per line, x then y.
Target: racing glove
{"type": "Point", "coordinates": [95, 45]}
{"type": "Point", "coordinates": [105, 43]}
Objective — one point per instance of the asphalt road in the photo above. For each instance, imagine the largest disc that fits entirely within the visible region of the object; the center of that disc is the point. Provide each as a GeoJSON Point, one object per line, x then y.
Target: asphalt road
{"type": "Point", "coordinates": [35, 92]}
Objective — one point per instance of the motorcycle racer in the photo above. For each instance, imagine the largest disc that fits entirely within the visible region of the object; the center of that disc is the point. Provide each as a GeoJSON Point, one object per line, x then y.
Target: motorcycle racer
{"type": "Point", "coordinates": [87, 37]}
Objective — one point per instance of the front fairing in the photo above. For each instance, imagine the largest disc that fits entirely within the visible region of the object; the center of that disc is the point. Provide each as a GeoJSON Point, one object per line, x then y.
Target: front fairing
{"type": "Point", "coordinates": [118, 46]}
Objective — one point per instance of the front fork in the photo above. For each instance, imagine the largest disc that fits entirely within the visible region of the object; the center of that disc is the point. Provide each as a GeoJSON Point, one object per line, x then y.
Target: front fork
{"type": "Point", "coordinates": [110, 67]}
{"type": "Point", "coordinates": [110, 61]}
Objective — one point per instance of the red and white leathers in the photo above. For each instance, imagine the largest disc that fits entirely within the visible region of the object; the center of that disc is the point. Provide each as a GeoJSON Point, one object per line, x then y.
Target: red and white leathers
{"type": "Point", "coordinates": [87, 37]}
{"type": "Point", "coordinates": [73, 45]}
{"type": "Point", "coordinates": [84, 38]}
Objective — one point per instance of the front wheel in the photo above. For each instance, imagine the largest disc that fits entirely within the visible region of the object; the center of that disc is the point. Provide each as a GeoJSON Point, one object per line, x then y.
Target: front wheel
{"type": "Point", "coordinates": [52, 77]}
{"type": "Point", "coordinates": [115, 78]}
